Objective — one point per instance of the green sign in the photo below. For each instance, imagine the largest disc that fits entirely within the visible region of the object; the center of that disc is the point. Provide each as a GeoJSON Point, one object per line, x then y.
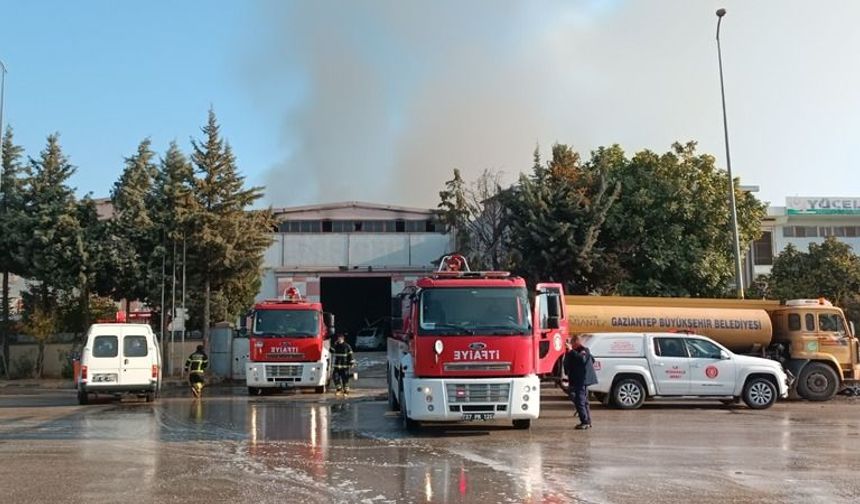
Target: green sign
{"type": "Point", "coordinates": [822, 206]}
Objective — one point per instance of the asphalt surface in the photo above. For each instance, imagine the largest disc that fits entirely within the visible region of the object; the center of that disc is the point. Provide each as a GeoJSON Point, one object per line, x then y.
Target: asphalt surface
{"type": "Point", "coordinates": [307, 448]}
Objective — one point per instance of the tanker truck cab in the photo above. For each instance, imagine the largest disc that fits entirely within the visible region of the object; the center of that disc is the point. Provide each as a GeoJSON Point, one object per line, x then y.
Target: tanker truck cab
{"type": "Point", "coordinates": [464, 348]}
{"type": "Point", "coordinates": [634, 366]}
{"type": "Point", "coordinates": [814, 342]}
{"type": "Point", "coordinates": [289, 345]}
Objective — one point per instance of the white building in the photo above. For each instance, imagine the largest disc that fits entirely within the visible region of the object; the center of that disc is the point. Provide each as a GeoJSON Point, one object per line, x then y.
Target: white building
{"type": "Point", "coordinates": [805, 220]}
{"type": "Point", "coordinates": [352, 256]}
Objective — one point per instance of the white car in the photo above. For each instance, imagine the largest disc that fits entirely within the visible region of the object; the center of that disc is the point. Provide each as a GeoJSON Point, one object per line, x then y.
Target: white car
{"type": "Point", "coordinates": [370, 338]}
{"type": "Point", "coordinates": [632, 367]}
{"type": "Point", "coordinates": [117, 359]}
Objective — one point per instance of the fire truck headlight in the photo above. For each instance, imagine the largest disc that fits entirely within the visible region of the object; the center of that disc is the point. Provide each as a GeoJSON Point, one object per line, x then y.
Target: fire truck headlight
{"type": "Point", "coordinates": [525, 407]}
{"type": "Point", "coordinates": [438, 346]}
{"type": "Point", "coordinates": [430, 407]}
{"type": "Point", "coordinates": [429, 398]}
{"type": "Point", "coordinates": [527, 389]}
{"type": "Point", "coordinates": [526, 397]}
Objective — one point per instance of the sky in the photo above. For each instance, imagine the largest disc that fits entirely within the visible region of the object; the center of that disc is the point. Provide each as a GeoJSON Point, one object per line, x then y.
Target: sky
{"type": "Point", "coordinates": [380, 100]}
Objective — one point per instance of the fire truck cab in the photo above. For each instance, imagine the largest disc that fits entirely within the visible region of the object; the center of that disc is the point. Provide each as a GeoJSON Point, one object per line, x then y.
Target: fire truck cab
{"type": "Point", "coordinates": [469, 346]}
{"type": "Point", "coordinates": [289, 341]}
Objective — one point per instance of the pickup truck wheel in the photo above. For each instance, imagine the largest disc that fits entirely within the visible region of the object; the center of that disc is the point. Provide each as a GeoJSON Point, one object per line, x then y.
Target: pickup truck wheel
{"type": "Point", "coordinates": [522, 424]}
{"type": "Point", "coordinates": [759, 393]}
{"type": "Point", "coordinates": [83, 398]}
{"type": "Point", "coordinates": [817, 382]}
{"type": "Point", "coordinates": [628, 393]}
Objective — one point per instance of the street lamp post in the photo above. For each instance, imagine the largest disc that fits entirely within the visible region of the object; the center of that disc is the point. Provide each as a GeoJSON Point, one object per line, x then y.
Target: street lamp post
{"type": "Point", "coordinates": [2, 95]}
{"type": "Point", "coordinates": [735, 238]}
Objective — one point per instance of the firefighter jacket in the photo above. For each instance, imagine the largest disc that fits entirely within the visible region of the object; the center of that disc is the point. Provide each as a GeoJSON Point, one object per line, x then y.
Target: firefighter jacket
{"type": "Point", "coordinates": [197, 363]}
{"type": "Point", "coordinates": [342, 355]}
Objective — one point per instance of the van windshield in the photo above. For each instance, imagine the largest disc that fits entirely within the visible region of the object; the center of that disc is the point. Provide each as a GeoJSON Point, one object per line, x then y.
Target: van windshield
{"type": "Point", "coordinates": [280, 323]}
{"type": "Point", "coordinates": [489, 311]}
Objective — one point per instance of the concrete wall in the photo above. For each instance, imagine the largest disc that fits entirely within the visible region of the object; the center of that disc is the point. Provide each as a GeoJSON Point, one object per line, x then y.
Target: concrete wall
{"type": "Point", "coordinates": [55, 357]}
{"type": "Point", "coordinates": [333, 250]}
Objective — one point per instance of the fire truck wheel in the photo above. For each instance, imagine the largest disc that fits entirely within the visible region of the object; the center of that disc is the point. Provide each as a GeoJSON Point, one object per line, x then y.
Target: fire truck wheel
{"type": "Point", "coordinates": [408, 423]}
{"type": "Point", "coordinates": [83, 398]}
{"type": "Point", "coordinates": [522, 424]}
{"type": "Point", "coordinates": [254, 391]}
{"type": "Point", "coordinates": [817, 382]}
{"type": "Point", "coordinates": [320, 389]}
{"type": "Point", "coordinates": [392, 401]}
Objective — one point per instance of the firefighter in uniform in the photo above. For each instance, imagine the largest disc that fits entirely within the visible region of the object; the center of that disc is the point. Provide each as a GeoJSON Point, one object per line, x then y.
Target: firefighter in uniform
{"type": "Point", "coordinates": [343, 363]}
{"type": "Point", "coordinates": [195, 366]}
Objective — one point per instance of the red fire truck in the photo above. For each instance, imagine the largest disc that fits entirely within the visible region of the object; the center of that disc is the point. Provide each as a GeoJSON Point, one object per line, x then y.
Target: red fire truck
{"type": "Point", "coordinates": [469, 346]}
{"type": "Point", "coordinates": [289, 343]}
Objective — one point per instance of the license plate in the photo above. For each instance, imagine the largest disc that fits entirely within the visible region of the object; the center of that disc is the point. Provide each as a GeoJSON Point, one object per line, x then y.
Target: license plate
{"type": "Point", "coordinates": [478, 416]}
{"type": "Point", "coordinates": [104, 377]}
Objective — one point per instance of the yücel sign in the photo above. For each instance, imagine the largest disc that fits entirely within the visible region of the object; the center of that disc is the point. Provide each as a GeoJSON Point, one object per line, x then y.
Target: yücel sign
{"type": "Point", "coordinates": [822, 206]}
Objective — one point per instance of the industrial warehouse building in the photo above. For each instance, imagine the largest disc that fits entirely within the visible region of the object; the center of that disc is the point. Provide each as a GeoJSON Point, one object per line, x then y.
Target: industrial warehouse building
{"type": "Point", "coordinates": [353, 257]}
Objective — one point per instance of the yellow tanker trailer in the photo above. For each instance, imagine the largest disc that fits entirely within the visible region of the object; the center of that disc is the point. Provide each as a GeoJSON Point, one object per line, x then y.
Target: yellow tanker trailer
{"type": "Point", "coordinates": [810, 337]}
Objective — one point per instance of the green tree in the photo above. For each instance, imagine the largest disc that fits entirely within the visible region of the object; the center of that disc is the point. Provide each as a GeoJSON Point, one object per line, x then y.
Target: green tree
{"type": "Point", "coordinates": [133, 225]}
{"type": "Point", "coordinates": [13, 259]}
{"type": "Point", "coordinates": [555, 217]}
{"type": "Point", "coordinates": [830, 269]}
{"type": "Point", "coordinates": [670, 229]}
{"type": "Point", "coordinates": [41, 324]}
{"type": "Point", "coordinates": [225, 240]}
{"type": "Point", "coordinates": [56, 246]}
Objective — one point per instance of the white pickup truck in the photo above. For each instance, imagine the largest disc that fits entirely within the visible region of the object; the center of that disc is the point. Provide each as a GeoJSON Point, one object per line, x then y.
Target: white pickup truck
{"type": "Point", "coordinates": [634, 366]}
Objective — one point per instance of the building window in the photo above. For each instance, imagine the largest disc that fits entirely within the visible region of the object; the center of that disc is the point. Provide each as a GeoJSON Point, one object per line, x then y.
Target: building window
{"type": "Point", "coordinates": [851, 231]}
{"type": "Point", "coordinates": [399, 226]}
{"type": "Point", "coordinates": [327, 226]}
{"type": "Point", "coordinates": [357, 226]}
{"type": "Point", "coordinates": [763, 250]}
{"type": "Point", "coordinates": [825, 231]}
{"type": "Point", "coordinates": [429, 226]}
{"type": "Point", "coordinates": [806, 231]}
{"type": "Point", "coordinates": [788, 231]}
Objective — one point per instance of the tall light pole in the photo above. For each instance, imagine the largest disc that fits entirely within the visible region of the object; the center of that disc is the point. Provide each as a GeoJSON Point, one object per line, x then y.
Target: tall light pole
{"type": "Point", "coordinates": [2, 95]}
{"type": "Point", "coordinates": [735, 238]}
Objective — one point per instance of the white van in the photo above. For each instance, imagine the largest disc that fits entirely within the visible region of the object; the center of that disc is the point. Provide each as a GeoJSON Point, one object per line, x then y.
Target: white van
{"type": "Point", "coordinates": [120, 358]}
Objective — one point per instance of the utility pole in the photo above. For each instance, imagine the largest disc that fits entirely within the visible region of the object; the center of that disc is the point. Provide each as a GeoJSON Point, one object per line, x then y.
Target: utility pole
{"type": "Point", "coordinates": [735, 235]}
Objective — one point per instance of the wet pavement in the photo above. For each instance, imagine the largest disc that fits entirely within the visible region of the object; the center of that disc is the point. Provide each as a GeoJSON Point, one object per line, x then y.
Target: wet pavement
{"type": "Point", "coordinates": [306, 448]}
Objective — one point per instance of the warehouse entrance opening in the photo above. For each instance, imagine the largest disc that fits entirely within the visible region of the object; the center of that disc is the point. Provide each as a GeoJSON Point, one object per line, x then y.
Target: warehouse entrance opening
{"type": "Point", "coordinates": [356, 301]}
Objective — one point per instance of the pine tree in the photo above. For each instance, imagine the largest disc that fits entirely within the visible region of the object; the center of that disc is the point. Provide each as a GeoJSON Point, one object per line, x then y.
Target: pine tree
{"type": "Point", "coordinates": [55, 245]}
{"type": "Point", "coordinates": [12, 258]}
{"type": "Point", "coordinates": [133, 223]}
{"type": "Point", "coordinates": [228, 242]}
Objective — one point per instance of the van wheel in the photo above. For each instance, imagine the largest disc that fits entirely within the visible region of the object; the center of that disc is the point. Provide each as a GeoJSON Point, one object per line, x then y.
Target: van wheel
{"type": "Point", "coordinates": [628, 393]}
{"type": "Point", "coordinates": [759, 393]}
{"type": "Point", "coordinates": [817, 382]}
{"type": "Point", "coordinates": [522, 424]}
{"type": "Point", "coordinates": [150, 396]}
{"type": "Point", "coordinates": [83, 398]}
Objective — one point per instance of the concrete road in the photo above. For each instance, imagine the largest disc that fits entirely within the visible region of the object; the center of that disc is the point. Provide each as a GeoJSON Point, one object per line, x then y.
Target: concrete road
{"type": "Point", "coordinates": [304, 448]}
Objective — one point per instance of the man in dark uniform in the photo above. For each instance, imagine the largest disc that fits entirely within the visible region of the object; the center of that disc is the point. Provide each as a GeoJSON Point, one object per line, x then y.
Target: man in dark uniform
{"type": "Point", "coordinates": [196, 365]}
{"type": "Point", "coordinates": [579, 367]}
{"type": "Point", "coordinates": [343, 362]}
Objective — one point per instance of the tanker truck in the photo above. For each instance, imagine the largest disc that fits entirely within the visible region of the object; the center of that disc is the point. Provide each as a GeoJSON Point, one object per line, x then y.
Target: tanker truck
{"type": "Point", "coordinates": [810, 337]}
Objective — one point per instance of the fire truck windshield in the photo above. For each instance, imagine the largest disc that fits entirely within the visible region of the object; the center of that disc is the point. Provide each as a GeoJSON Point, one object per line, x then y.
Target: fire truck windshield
{"type": "Point", "coordinates": [292, 323]}
{"type": "Point", "coordinates": [480, 310]}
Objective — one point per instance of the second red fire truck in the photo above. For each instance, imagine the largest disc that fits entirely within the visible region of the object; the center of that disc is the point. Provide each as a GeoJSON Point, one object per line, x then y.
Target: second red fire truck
{"type": "Point", "coordinates": [289, 342]}
{"type": "Point", "coordinates": [469, 345]}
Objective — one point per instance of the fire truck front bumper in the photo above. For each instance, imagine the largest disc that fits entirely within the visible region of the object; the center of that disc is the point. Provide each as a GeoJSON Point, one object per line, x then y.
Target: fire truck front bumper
{"type": "Point", "coordinates": [285, 374]}
{"type": "Point", "coordinates": [472, 399]}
